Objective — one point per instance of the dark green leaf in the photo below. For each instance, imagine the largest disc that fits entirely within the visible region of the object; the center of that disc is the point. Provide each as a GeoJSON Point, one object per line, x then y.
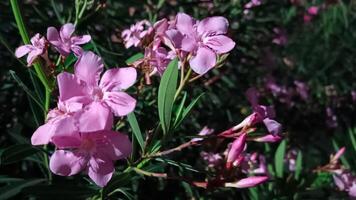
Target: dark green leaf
{"type": "Point", "coordinates": [60, 191]}
{"type": "Point", "coordinates": [166, 92]}
{"type": "Point", "coordinates": [16, 153]}
{"type": "Point", "coordinates": [187, 110]}
{"type": "Point", "coordinates": [279, 159]}
{"type": "Point", "coordinates": [298, 165]}
{"type": "Point", "coordinates": [136, 129]}
{"type": "Point", "coordinates": [15, 188]}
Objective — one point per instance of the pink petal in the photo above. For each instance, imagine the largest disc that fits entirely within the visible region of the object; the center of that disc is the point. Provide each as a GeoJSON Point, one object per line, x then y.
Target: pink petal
{"type": "Point", "coordinates": [248, 182]}
{"type": "Point", "coordinates": [217, 25]}
{"type": "Point", "coordinates": [203, 61]}
{"type": "Point", "coordinates": [67, 139]}
{"type": "Point", "coordinates": [69, 86]}
{"type": "Point", "coordinates": [184, 24]}
{"type": "Point", "coordinates": [42, 135]}
{"type": "Point", "coordinates": [273, 126]}
{"type": "Point", "coordinates": [88, 68]}
{"type": "Point", "coordinates": [173, 39]}
{"type": "Point", "coordinates": [352, 190]}
{"type": "Point", "coordinates": [100, 171]}
{"type": "Point", "coordinates": [118, 79]}
{"type": "Point", "coordinates": [236, 148]}
{"type": "Point", "coordinates": [80, 39]}
{"type": "Point", "coordinates": [66, 163]}
{"type": "Point", "coordinates": [339, 153]}
{"type": "Point", "coordinates": [189, 44]}
{"type": "Point", "coordinates": [120, 103]}
{"type": "Point", "coordinates": [66, 31]}
{"type": "Point", "coordinates": [95, 117]}
{"type": "Point", "coordinates": [22, 50]}
{"type": "Point", "coordinates": [219, 43]}
{"type": "Point", "coordinates": [117, 146]}
{"type": "Point", "coordinates": [32, 56]}
{"type": "Point", "coordinates": [268, 138]}
{"type": "Point", "coordinates": [77, 50]}
{"type": "Point", "coordinates": [53, 36]}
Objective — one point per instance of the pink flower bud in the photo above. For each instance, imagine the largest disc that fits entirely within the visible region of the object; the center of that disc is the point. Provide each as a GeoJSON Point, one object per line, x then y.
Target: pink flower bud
{"type": "Point", "coordinates": [268, 138]}
{"type": "Point", "coordinates": [313, 10]}
{"type": "Point", "coordinates": [248, 182]}
{"type": "Point", "coordinates": [238, 161]}
{"type": "Point", "coordinates": [339, 154]}
{"type": "Point", "coordinates": [236, 149]}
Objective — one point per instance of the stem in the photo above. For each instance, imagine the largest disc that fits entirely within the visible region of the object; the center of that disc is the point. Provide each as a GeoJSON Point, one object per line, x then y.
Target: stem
{"type": "Point", "coordinates": [22, 30]}
{"type": "Point", "coordinates": [182, 84]}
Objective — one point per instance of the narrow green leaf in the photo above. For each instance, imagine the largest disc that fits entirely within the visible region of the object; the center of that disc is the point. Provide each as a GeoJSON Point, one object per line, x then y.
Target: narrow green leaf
{"type": "Point", "coordinates": [187, 110]}
{"type": "Point", "coordinates": [352, 138]}
{"type": "Point", "coordinates": [16, 153]}
{"type": "Point", "coordinates": [13, 189]}
{"type": "Point", "coordinates": [166, 92]}
{"type": "Point", "coordinates": [134, 58]}
{"type": "Point", "coordinates": [26, 89]}
{"type": "Point", "coordinates": [59, 191]}
{"type": "Point", "coordinates": [180, 109]}
{"type": "Point", "coordinates": [279, 159]}
{"type": "Point", "coordinates": [136, 129]}
{"type": "Point", "coordinates": [298, 165]}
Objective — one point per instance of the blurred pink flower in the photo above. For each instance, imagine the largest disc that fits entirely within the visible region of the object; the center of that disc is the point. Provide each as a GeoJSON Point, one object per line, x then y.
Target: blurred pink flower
{"type": "Point", "coordinates": [65, 42]}
{"type": "Point", "coordinates": [93, 152]}
{"type": "Point", "coordinates": [268, 138]}
{"type": "Point", "coordinates": [252, 3]}
{"type": "Point", "coordinates": [203, 39]}
{"type": "Point", "coordinates": [204, 132]}
{"type": "Point", "coordinates": [248, 182]}
{"type": "Point", "coordinates": [313, 10]}
{"type": "Point", "coordinates": [213, 159]}
{"type": "Point", "coordinates": [134, 35]}
{"type": "Point", "coordinates": [34, 50]}
{"type": "Point", "coordinates": [280, 37]}
{"type": "Point", "coordinates": [331, 118]}
{"type": "Point", "coordinates": [302, 89]}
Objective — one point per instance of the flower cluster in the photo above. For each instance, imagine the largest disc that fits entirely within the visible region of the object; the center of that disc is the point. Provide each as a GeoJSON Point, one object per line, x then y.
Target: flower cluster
{"type": "Point", "coordinates": [200, 43]}
{"type": "Point", "coordinates": [63, 41]}
{"type": "Point", "coordinates": [80, 126]}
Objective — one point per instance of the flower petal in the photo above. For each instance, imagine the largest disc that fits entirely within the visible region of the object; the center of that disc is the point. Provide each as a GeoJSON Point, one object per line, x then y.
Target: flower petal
{"type": "Point", "coordinates": [216, 25]}
{"type": "Point", "coordinates": [120, 103]}
{"type": "Point", "coordinates": [95, 117]}
{"type": "Point", "coordinates": [53, 36]}
{"type": "Point", "coordinates": [189, 44]}
{"type": "Point", "coordinates": [32, 56]}
{"type": "Point", "coordinates": [100, 170]}
{"type": "Point", "coordinates": [203, 61]}
{"type": "Point", "coordinates": [66, 163]}
{"type": "Point", "coordinates": [42, 135]}
{"type": "Point", "coordinates": [219, 43]}
{"type": "Point", "coordinates": [22, 50]}
{"type": "Point", "coordinates": [80, 39]}
{"type": "Point", "coordinates": [69, 86]}
{"type": "Point", "coordinates": [185, 23]}
{"type": "Point", "coordinates": [273, 126]}
{"type": "Point", "coordinates": [66, 31]}
{"type": "Point", "coordinates": [118, 79]}
{"type": "Point", "coordinates": [117, 146]}
{"type": "Point", "coordinates": [88, 68]}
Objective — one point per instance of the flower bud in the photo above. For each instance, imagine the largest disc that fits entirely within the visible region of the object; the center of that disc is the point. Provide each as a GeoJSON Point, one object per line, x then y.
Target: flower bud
{"type": "Point", "coordinates": [248, 182]}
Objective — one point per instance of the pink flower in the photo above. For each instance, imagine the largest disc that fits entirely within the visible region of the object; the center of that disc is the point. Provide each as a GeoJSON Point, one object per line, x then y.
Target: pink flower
{"type": "Point", "coordinates": [213, 159]}
{"type": "Point", "coordinates": [302, 89]}
{"type": "Point", "coordinates": [204, 132]}
{"type": "Point", "coordinates": [280, 37]}
{"type": "Point", "coordinates": [134, 35]}
{"type": "Point", "coordinates": [93, 153]}
{"type": "Point", "coordinates": [205, 40]}
{"type": "Point", "coordinates": [236, 149]}
{"type": "Point", "coordinates": [268, 138]}
{"type": "Point", "coordinates": [248, 182]}
{"type": "Point", "coordinates": [313, 10]}
{"type": "Point", "coordinates": [38, 48]}
{"type": "Point", "coordinates": [65, 42]}
{"type": "Point", "coordinates": [252, 3]}
{"type": "Point", "coordinates": [103, 96]}
{"type": "Point", "coordinates": [158, 59]}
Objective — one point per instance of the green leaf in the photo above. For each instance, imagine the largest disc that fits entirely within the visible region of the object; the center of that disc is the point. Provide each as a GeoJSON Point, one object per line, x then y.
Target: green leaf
{"type": "Point", "coordinates": [136, 129]}
{"type": "Point", "coordinates": [26, 89]}
{"type": "Point", "coordinates": [166, 92]}
{"type": "Point", "coordinates": [352, 138]}
{"type": "Point", "coordinates": [279, 159]}
{"type": "Point", "coordinates": [179, 112]}
{"type": "Point", "coordinates": [16, 153]}
{"type": "Point", "coordinates": [134, 58]}
{"type": "Point", "coordinates": [187, 110]}
{"type": "Point", "coordinates": [13, 189]}
{"type": "Point", "coordinates": [298, 165]}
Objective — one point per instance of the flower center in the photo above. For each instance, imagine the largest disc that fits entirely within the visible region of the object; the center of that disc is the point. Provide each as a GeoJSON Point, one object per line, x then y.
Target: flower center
{"type": "Point", "coordinates": [88, 145]}
{"type": "Point", "coordinates": [97, 94]}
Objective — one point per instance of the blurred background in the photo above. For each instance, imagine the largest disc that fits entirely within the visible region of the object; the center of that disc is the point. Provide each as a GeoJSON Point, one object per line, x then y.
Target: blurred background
{"type": "Point", "coordinates": [299, 54]}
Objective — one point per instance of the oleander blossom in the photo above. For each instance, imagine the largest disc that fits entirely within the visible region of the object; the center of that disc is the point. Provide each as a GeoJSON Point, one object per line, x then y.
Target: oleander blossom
{"type": "Point", "coordinates": [65, 42]}
{"type": "Point", "coordinates": [34, 50]}
{"type": "Point", "coordinates": [204, 40]}
{"type": "Point", "coordinates": [103, 97]}
{"type": "Point", "coordinates": [134, 35]}
{"type": "Point", "coordinates": [93, 153]}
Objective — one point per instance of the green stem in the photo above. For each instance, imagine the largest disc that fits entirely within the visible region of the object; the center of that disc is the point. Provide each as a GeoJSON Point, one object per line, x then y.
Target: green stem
{"type": "Point", "coordinates": [182, 84]}
{"type": "Point", "coordinates": [22, 30]}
